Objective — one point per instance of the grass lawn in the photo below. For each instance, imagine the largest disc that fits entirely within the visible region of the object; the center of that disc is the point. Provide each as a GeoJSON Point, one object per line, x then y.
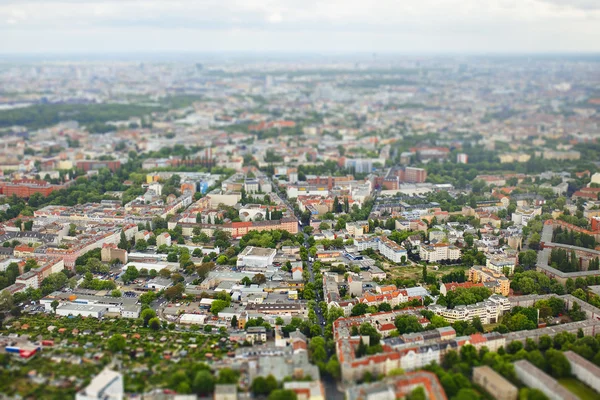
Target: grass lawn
{"type": "Point", "coordinates": [578, 388]}
{"type": "Point", "coordinates": [416, 271]}
{"type": "Point", "coordinates": [490, 327]}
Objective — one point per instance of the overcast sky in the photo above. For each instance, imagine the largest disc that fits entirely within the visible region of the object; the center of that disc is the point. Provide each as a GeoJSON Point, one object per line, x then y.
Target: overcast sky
{"type": "Point", "coordinates": [396, 26]}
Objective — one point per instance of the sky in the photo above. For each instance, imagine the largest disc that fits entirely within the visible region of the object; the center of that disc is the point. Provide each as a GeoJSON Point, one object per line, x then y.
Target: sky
{"type": "Point", "coordinates": [299, 26]}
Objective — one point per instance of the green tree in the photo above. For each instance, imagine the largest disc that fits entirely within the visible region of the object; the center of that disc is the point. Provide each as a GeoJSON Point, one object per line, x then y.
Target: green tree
{"type": "Point", "coordinates": [146, 315]}
{"type": "Point", "coordinates": [147, 298]}
{"type": "Point", "coordinates": [130, 274]}
{"type": "Point", "coordinates": [283, 394]}
{"type": "Point", "coordinates": [123, 242]}
{"type": "Point", "coordinates": [407, 324]}
{"type": "Point", "coordinates": [259, 279]}
{"type": "Point", "coordinates": [263, 386]}
{"type": "Point", "coordinates": [317, 350]}
{"type": "Point", "coordinates": [228, 376]}
{"type": "Point", "coordinates": [528, 258]}
{"type": "Point", "coordinates": [116, 343]}
{"type": "Point", "coordinates": [333, 368]}
{"type": "Point", "coordinates": [154, 324]}
{"type": "Point", "coordinates": [369, 330]}
{"type": "Point", "coordinates": [204, 383]}
{"type": "Point", "coordinates": [558, 364]}
{"type": "Point", "coordinates": [217, 306]}
{"type": "Point", "coordinates": [141, 245]}
{"type": "Point", "coordinates": [54, 305]}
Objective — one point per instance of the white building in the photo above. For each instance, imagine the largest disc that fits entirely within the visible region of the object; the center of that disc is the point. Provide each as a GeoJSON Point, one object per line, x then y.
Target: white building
{"type": "Point", "coordinates": [366, 242]}
{"type": "Point", "coordinates": [107, 385]}
{"type": "Point", "coordinates": [438, 252]}
{"type": "Point", "coordinates": [159, 283]}
{"type": "Point", "coordinates": [256, 257]}
{"type": "Point", "coordinates": [522, 216]}
{"type": "Point", "coordinates": [251, 186]}
{"type": "Point", "coordinates": [355, 285]}
{"type": "Point", "coordinates": [358, 228]}
{"type": "Point", "coordinates": [144, 265]}
{"type": "Point", "coordinates": [256, 334]}
{"type": "Point", "coordinates": [584, 370]}
{"type": "Point", "coordinates": [190, 319]}
{"type": "Point", "coordinates": [391, 250]}
{"type": "Point", "coordinates": [534, 377]}
{"type": "Point", "coordinates": [500, 263]}
{"type": "Point", "coordinates": [84, 310]}
{"type": "Point", "coordinates": [489, 311]}
{"type": "Point", "coordinates": [163, 238]}
{"type": "Point", "coordinates": [297, 273]}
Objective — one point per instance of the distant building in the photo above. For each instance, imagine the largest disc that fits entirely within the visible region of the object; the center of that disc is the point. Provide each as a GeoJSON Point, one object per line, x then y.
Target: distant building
{"type": "Point", "coordinates": [107, 385]}
{"type": "Point", "coordinates": [462, 158]}
{"type": "Point", "coordinates": [90, 165]}
{"type": "Point", "coordinates": [412, 175]}
{"type": "Point", "coordinates": [25, 188]}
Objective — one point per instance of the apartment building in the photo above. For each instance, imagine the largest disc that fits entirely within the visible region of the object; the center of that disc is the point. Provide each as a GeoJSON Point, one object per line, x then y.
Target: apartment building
{"type": "Point", "coordinates": [496, 281]}
{"type": "Point", "coordinates": [494, 383]}
{"type": "Point", "coordinates": [412, 175]}
{"type": "Point", "coordinates": [391, 250]}
{"type": "Point", "coordinates": [363, 243]}
{"type": "Point", "coordinates": [523, 215]}
{"type": "Point", "coordinates": [500, 264]}
{"type": "Point", "coordinates": [584, 370]}
{"type": "Point", "coordinates": [534, 377]}
{"type": "Point", "coordinates": [439, 252]}
{"type": "Point", "coordinates": [489, 311]}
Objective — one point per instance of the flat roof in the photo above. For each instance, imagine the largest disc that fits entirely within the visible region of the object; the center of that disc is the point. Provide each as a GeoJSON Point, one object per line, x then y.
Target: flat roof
{"type": "Point", "coordinates": [491, 375]}
{"type": "Point", "coordinates": [82, 307]}
{"type": "Point", "coordinates": [257, 252]}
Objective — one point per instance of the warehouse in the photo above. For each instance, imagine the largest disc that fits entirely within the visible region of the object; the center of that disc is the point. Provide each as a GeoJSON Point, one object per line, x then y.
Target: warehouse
{"type": "Point", "coordinates": [84, 310]}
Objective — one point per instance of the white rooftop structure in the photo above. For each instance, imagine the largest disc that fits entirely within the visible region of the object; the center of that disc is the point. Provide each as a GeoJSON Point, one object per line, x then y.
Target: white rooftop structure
{"type": "Point", "coordinates": [107, 385]}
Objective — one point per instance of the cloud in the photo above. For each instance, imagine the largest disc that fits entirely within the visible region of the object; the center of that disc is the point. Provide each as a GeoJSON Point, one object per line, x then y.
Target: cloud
{"type": "Point", "coordinates": [577, 4]}
{"type": "Point", "coordinates": [299, 25]}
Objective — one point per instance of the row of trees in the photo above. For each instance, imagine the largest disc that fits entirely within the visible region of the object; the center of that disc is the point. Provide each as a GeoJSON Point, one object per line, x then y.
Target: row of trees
{"type": "Point", "coordinates": [573, 238]}
{"type": "Point", "coordinates": [564, 261]}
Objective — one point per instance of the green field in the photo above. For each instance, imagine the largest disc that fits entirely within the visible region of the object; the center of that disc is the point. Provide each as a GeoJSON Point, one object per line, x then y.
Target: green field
{"type": "Point", "coordinates": [578, 388]}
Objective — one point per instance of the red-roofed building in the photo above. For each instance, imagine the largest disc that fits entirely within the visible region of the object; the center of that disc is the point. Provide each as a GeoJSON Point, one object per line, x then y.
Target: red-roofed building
{"type": "Point", "coordinates": [24, 188]}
